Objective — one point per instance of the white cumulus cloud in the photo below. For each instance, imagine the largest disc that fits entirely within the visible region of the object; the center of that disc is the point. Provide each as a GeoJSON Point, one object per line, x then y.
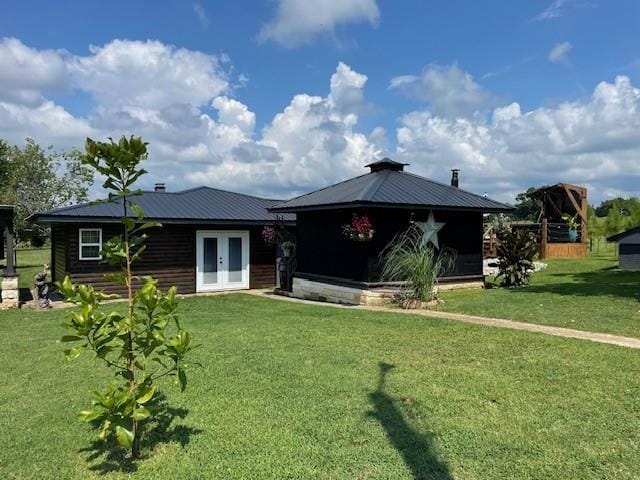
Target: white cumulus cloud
{"type": "Point", "coordinates": [311, 143]}
{"type": "Point", "coordinates": [447, 89]}
{"type": "Point", "coordinates": [200, 134]}
{"type": "Point", "coordinates": [560, 53]}
{"type": "Point", "coordinates": [148, 74]}
{"type": "Point", "coordinates": [25, 73]}
{"type": "Point", "coordinates": [596, 143]}
{"type": "Point", "coordinates": [299, 22]}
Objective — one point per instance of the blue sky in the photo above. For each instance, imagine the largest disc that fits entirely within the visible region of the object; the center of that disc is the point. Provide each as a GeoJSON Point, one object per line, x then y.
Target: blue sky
{"type": "Point", "coordinates": [454, 63]}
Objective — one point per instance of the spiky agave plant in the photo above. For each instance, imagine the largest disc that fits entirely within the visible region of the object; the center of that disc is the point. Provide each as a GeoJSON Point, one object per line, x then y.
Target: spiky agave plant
{"type": "Point", "coordinates": [411, 260]}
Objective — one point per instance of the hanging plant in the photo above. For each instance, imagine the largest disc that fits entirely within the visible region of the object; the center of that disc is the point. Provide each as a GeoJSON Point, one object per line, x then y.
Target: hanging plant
{"type": "Point", "coordinates": [270, 235]}
{"type": "Point", "coordinates": [359, 230]}
{"type": "Point", "coordinates": [276, 234]}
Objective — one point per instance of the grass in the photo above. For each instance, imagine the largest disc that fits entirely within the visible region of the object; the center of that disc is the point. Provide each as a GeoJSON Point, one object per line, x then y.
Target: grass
{"type": "Point", "coordinates": [29, 262]}
{"type": "Point", "coordinates": [586, 294]}
{"type": "Point", "coordinates": [298, 391]}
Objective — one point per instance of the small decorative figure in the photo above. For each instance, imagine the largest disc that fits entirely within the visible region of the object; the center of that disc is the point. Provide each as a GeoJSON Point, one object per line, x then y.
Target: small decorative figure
{"type": "Point", "coordinates": [42, 288]}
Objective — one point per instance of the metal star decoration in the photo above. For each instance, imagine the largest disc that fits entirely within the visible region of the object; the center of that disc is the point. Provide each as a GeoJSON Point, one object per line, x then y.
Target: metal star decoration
{"type": "Point", "coordinates": [430, 230]}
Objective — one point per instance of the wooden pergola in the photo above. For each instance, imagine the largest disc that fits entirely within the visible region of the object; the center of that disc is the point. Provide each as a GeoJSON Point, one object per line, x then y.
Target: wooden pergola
{"type": "Point", "coordinates": [556, 201]}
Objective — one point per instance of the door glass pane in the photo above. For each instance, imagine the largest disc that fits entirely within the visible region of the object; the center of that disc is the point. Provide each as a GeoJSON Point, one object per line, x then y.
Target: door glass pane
{"type": "Point", "coordinates": [235, 259]}
{"type": "Point", "coordinates": [210, 267]}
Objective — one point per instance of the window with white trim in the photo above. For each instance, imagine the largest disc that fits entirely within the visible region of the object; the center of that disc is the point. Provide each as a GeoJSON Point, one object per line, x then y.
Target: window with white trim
{"type": "Point", "coordinates": [90, 243]}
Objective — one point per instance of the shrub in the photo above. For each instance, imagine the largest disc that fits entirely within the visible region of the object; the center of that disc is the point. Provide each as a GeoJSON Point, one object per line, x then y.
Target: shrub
{"type": "Point", "coordinates": [516, 251]}
{"type": "Point", "coordinates": [417, 264]}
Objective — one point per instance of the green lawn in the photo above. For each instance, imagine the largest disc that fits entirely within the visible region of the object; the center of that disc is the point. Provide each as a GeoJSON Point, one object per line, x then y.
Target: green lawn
{"type": "Point", "coordinates": [297, 391]}
{"type": "Point", "coordinates": [29, 262]}
{"type": "Point", "coordinates": [586, 294]}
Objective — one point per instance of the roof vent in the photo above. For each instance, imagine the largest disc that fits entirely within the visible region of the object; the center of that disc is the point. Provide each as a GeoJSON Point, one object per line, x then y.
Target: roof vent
{"type": "Point", "coordinates": [455, 177]}
{"type": "Point", "coordinates": [159, 187]}
{"type": "Point", "coordinates": [386, 164]}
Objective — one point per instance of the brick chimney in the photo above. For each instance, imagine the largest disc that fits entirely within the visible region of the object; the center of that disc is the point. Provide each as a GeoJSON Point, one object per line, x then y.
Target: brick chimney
{"type": "Point", "coordinates": [159, 187]}
{"type": "Point", "coordinates": [454, 177]}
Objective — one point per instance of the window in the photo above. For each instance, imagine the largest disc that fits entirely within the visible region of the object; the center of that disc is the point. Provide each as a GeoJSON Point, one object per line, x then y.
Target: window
{"type": "Point", "coordinates": [90, 243]}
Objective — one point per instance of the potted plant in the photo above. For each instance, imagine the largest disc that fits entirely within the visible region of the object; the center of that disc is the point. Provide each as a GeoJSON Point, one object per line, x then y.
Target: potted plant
{"type": "Point", "coordinates": [573, 224]}
{"type": "Point", "coordinates": [360, 229]}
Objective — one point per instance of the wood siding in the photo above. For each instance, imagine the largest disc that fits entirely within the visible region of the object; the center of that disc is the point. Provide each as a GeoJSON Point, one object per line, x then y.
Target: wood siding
{"type": "Point", "coordinates": [58, 252]}
{"type": "Point", "coordinates": [629, 256]}
{"type": "Point", "coordinates": [262, 261]}
{"type": "Point", "coordinates": [322, 249]}
{"type": "Point", "coordinates": [170, 257]}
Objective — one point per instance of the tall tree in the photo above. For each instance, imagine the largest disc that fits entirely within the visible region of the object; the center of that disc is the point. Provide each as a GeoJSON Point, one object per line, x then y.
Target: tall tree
{"type": "Point", "coordinates": [35, 179]}
{"type": "Point", "coordinates": [626, 206]}
{"type": "Point", "coordinates": [4, 167]}
{"type": "Point", "coordinates": [526, 207]}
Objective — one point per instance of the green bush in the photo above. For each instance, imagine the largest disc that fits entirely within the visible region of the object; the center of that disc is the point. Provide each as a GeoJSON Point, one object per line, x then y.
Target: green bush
{"type": "Point", "coordinates": [516, 251]}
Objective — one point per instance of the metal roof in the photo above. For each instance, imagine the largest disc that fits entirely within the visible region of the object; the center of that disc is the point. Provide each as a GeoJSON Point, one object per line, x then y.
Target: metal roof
{"type": "Point", "coordinates": [391, 188]}
{"type": "Point", "coordinates": [197, 205]}
{"type": "Point", "coordinates": [631, 236]}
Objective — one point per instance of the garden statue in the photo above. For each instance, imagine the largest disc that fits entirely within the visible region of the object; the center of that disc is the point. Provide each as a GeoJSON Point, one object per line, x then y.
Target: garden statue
{"type": "Point", "coordinates": [42, 288]}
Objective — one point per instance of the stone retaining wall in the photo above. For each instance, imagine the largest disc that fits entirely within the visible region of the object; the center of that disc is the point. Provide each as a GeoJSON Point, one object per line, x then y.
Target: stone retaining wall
{"type": "Point", "coordinates": [326, 292]}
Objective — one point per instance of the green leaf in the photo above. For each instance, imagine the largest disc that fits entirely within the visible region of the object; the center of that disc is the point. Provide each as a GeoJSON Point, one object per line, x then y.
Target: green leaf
{"type": "Point", "coordinates": [104, 429]}
{"type": "Point", "coordinates": [141, 413]}
{"type": "Point", "coordinates": [90, 415]}
{"type": "Point", "coordinates": [146, 394]}
{"type": "Point", "coordinates": [71, 338]}
{"type": "Point", "coordinates": [137, 209]}
{"type": "Point", "coordinates": [124, 437]}
{"type": "Point", "coordinates": [73, 353]}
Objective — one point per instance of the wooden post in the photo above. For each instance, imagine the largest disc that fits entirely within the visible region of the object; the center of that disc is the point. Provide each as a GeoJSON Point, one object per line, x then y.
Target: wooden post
{"type": "Point", "coordinates": [10, 271]}
{"type": "Point", "coordinates": [544, 237]}
{"type": "Point", "coordinates": [584, 205]}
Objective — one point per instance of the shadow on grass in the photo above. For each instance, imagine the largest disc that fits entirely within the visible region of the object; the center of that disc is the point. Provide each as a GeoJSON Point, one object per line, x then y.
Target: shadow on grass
{"type": "Point", "coordinates": [107, 456]}
{"type": "Point", "coordinates": [417, 449]}
{"type": "Point", "coordinates": [608, 282]}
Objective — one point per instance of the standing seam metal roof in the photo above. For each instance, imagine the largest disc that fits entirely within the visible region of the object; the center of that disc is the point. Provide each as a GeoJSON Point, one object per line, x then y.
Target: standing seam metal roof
{"type": "Point", "coordinates": [197, 204]}
{"type": "Point", "coordinates": [391, 188]}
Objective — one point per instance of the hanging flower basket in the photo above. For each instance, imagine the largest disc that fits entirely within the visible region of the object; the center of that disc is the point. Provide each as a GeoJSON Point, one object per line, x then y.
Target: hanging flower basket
{"type": "Point", "coordinates": [270, 236]}
{"type": "Point", "coordinates": [359, 230]}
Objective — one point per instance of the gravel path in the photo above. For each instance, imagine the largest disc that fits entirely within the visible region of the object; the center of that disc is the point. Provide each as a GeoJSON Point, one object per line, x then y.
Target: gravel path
{"type": "Point", "coordinates": [490, 322]}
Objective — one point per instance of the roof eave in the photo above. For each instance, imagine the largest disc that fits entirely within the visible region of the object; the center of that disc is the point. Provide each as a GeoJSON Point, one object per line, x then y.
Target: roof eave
{"type": "Point", "coordinates": [620, 236]}
{"type": "Point", "coordinates": [50, 220]}
{"type": "Point", "coordinates": [362, 204]}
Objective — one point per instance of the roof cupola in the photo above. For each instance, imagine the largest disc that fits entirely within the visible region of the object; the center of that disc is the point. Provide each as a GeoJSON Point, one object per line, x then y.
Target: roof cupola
{"type": "Point", "coordinates": [386, 164]}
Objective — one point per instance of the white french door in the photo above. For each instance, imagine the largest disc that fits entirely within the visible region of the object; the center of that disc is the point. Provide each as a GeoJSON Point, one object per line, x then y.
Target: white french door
{"type": "Point", "coordinates": [222, 260]}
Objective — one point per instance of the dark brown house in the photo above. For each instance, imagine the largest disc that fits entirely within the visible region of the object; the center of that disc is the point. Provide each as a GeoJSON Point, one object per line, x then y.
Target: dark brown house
{"type": "Point", "coordinates": [333, 267]}
{"type": "Point", "coordinates": [210, 240]}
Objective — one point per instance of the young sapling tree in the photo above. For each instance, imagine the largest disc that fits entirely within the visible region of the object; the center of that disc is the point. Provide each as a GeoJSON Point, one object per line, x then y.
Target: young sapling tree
{"type": "Point", "coordinates": [146, 342]}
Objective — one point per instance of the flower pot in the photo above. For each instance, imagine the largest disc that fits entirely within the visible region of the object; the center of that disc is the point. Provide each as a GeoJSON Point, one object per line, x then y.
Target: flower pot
{"type": "Point", "coordinates": [573, 236]}
{"type": "Point", "coordinates": [363, 236]}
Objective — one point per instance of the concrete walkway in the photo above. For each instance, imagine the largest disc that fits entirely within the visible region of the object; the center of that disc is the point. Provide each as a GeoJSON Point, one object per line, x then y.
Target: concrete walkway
{"type": "Point", "coordinates": [490, 322]}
